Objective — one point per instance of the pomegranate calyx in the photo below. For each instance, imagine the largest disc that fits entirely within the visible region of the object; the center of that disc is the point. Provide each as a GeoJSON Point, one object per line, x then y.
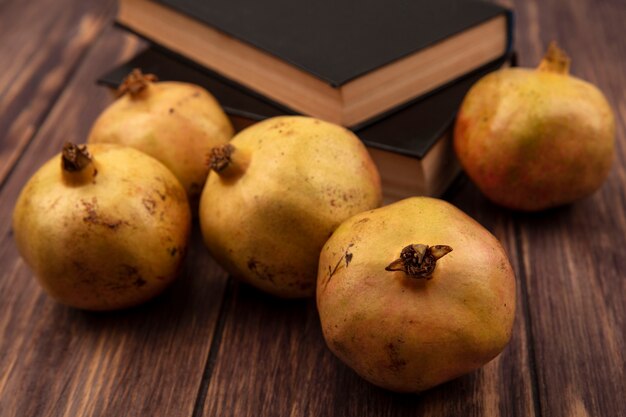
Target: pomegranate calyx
{"type": "Point", "coordinates": [419, 260]}
{"type": "Point", "coordinates": [555, 60]}
{"type": "Point", "coordinates": [135, 83]}
{"type": "Point", "coordinates": [228, 162]}
{"type": "Point", "coordinates": [220, 157]}
{"type": "Point", "coordinates": [75, 157]}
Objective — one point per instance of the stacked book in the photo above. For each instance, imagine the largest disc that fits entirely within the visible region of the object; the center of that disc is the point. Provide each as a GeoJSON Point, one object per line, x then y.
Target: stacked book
{"type": "Point", "coordinates": [394, 72]}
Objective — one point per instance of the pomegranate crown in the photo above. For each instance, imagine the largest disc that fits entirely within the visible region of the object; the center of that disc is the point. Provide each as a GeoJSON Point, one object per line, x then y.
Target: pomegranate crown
{"type": "Point", "coordinates": [419, 260]}
{"type": "Point", "coordinates": [135, 83]}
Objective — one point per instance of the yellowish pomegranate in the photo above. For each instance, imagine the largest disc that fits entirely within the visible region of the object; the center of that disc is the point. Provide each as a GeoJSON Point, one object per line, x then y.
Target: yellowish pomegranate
{"type": "Point", "coordinates": [102, 229]}
{"type": "Point", "coordinates": [534, 139]}
{"type": "Point", "coordinates": [414, 294]}
{"type": "Point", "coordinates": [176, 123]}
{"type": "Point", "coordinates": [277, 192]}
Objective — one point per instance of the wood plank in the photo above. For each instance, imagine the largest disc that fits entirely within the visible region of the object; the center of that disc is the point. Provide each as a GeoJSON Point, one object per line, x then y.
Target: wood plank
{"type": "Point", "coordinates": [272, 361]}
{"type": "Point", "coordinates": [56, 361]}
{"type": "Point", "coordinates": [43, 41]}
{"type": "Point", "coordinates": [573, 257]}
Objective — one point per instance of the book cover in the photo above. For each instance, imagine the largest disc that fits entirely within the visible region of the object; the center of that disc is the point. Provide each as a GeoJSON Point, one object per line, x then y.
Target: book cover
{"type": "Point", "coordinates": [338, 41]}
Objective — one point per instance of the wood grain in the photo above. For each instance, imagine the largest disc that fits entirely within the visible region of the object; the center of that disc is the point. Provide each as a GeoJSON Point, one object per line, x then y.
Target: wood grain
{"type": "Point", "coordinates": [273, 361]}
{"type": "Point", "coordinates": [42, 43]}
{"type": "Point", "coordinates": [56, 361]}
{"type": "Point", "coordinates": [195, 352]}
{"type": "Point", "coordinates": [573, 257]}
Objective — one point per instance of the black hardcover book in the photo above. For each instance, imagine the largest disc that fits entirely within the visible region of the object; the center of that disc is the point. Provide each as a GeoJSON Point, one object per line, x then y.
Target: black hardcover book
{"type": "Point", "coordinates": [345, 61]}
{"type": "Point", "coordinates": [412, 146]}
{"type": "Point", "coordinates": [338, 41]}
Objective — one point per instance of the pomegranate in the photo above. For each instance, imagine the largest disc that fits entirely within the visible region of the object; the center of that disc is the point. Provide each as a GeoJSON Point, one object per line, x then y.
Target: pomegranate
{"type": "Point", "coordinates": [414, 294]}
{"type": "Point", "coordinates": [102, 229]}
{"type": "Point", "coordinates": [276, 193]}
{"type": "Point", "coordinates": [534, 139]}
{"type": "Point", "coordinates": [176, 123]}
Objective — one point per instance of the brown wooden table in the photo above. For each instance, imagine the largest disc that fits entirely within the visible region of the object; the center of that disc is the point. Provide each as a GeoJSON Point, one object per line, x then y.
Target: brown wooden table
{"type": "Point", "coordinates": [213, 347]}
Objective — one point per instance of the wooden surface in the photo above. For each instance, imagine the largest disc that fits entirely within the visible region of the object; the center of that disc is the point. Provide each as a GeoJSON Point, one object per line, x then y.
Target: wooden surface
{"type": "Point", "coordinates": [213, 347]}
